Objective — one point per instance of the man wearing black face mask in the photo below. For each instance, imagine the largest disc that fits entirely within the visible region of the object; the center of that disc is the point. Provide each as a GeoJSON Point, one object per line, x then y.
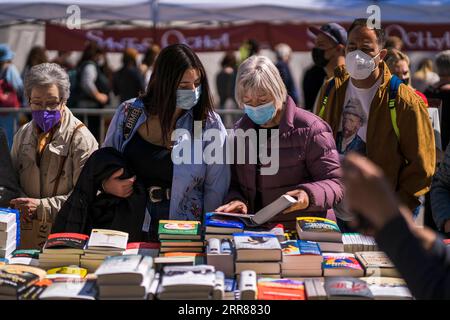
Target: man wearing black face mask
{"type": "Point", "coordinates": [327, 54]}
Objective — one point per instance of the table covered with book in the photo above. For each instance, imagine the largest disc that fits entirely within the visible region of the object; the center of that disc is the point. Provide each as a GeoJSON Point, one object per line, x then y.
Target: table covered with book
{"type": "Point", "coordinates": [221, 258]}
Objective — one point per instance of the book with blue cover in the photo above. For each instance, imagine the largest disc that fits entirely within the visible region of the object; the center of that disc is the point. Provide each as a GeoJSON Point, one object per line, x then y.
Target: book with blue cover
{"type": "Point", "coordinates": [309, 247]}
{"type": "Point", "coordinates": [300, 247]}
{"type": "Point", "coordinates": [265, 214]}
{"type": "Point", "coordinates": [218, 224]}
{"type": "Point", "coordinates": [301, 259]}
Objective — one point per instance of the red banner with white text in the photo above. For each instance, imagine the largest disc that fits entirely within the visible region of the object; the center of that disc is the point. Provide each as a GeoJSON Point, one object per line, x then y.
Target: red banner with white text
{"type": "Point", "coordinates": [416, 37]}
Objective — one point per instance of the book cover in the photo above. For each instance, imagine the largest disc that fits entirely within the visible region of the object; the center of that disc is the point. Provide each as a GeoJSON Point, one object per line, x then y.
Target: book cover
{"type": "Point", "coordinates": [16, 278]}
{"type": "Point", "coordinates": [143, 245]}
{"type": "Point", "coordinates": [125, 264]}
{"type": "Point", "coordinates": [186, 278]}
{"type": "Point", "coordinates": [104, 239]}
{"type": "Point", "coordinates": [340, 261]}
{"type": "Point", "coordinates": [265, 214]}
{"type": "Point", "coordinates": [300, 247]}
{"type": "Point", "coordinates": [268, 228]}
{"type": "Point", "coordinates": [280, 289]}
{"type": "Point", "coordinates": [309, 248]}
{"type": "Point", "coordinates": [176, 227]}
{"type": "Point", "coordinates": [254, 241]}
{"type": "Point", "coordinates": [347, 287]}
{"type": "Point", "coordinates": [26, 253]}
{"type": "Point", "coordinates": [34, 291]}
{"type": "Point", "coordinates": [66, 240]}
{"type": "Point", "coordinates": [290, 248]}
{"type": "Point", "coordinates": [214, 220]}
{"type": "Point", "coordinates": [73, 290]}
{"type": "Point", "coordinates": [81, 272]}
{"type": "Point", "coordinates": [150, 249]}
{"type": "Point", "coordinates": [388, 288]}
{"type": "Point", "coordinates": [230, 284]}
{"type": "Point", "coordinates": [317, 224]}
{"type": "Point", "coordinates": [374, 259]}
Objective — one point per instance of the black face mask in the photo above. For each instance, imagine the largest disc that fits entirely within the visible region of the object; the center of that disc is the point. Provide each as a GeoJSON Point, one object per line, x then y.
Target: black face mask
{"type": "Point", "coordinates": [318, 56]}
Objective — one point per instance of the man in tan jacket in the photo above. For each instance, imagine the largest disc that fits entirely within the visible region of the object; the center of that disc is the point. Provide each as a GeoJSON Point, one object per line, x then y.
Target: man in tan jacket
{"type": "Point", "coordinates": [400, 140]}
{"type": "Point", "coordinates": [48, 152]}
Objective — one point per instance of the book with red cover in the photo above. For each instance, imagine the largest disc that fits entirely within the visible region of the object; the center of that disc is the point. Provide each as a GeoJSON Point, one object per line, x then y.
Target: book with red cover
{"type": "Point", "coordinates": [280, 289]}
{"type": "Point", "coordinates": [66, 241]}
{"type": "Point", "coordinates": [143, 245]}
{"type": "Point", "coordinates": [143, 248]}
{"type": "Point", "coordinates": [341, 264]}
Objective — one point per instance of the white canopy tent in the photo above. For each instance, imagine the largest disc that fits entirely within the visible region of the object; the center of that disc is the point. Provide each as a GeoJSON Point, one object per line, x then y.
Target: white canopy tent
{"type": "Point", "coordinates": [416, 11]}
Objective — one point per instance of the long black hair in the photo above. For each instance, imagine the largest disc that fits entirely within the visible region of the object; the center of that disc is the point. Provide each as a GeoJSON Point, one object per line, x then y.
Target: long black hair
{"type": "Point", "coordinates": [161, 95]}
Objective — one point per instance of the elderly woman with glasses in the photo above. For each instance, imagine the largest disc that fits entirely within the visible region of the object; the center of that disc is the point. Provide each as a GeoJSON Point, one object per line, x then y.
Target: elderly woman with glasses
{"type": "Point", "coordinates": [48, 152]}
{"type": "Point", "coordinates": [308, 166]}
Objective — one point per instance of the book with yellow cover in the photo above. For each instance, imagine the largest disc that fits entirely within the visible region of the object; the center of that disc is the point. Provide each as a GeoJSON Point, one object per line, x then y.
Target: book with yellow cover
{"type": "Point", "coordinates": [318, 229]}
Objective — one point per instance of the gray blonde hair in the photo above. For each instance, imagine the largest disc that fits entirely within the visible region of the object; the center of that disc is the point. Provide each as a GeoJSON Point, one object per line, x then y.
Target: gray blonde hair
{"type": "Point", "coordinates": [443, 63]}
{"type": "Point", "coordinates": [46, 74]}
{"type": "Point", "coordinates": [283, 51]}
{"type": "Point", "coordinates": [258, 73]}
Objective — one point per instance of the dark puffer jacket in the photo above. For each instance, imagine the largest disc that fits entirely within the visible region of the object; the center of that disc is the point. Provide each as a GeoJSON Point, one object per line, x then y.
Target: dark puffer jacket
{"type": "Point", "coordinates": [308, 159]}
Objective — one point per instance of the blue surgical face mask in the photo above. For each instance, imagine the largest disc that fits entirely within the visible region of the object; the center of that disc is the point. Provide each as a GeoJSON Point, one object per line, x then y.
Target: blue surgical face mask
{"type": "Point", "coordinates": [260, 114]}
{"type": "Point", "coordinates": [187, 99]}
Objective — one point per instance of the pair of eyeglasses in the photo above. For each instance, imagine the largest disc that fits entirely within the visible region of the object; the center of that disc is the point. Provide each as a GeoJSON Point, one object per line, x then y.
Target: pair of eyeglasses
{"type": "Point", "coordinates": [47, 106]}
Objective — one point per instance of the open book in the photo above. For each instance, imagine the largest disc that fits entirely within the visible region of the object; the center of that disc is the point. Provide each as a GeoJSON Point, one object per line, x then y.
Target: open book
{"type": "Point", "coordinates": [263, 215]}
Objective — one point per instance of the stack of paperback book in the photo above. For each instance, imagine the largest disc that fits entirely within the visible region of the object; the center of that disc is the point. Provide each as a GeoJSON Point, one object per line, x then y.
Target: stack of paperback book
{"type": "Point", "coordinates": [258, 252]}
{"type": "Point", "coordinates": [301, 259]}
{"type": "Point", "coordinates": [354, 242]}
{"type": "Point", "coordinates": [341, 265]}
{"type": "Point", "coordinates": [66, 273]}
{"type": "Point", "coordinates": [16, 279]}
{"type": "Point", "coordinates": [102, 244]}
{"type": "Point", "coordinates": [346, 288]}
{"type": "Point", "coordinates": [125, 277]}
{"type": "Point", "coordinates": [34, 291]}
{"type": "Point", "coordinates": [9, 232]}
{"type": "Point", "coordinates": [62, 249]}
{"type": "Point", "coordinates": [324, 231]}
{"type": "Point", "coordinates": [221, 227]}
{"type": "Point", "coordinates": [187, 283]}
{"type": "Point", "coordinates": [150, 249]}
{"type": "Point", "coordinates": [387, 288]}
{"type": "Point", "coordinates": [68, 289]}
{"type": "Point", "coordinates": [27, 257]}
{"type": "Point", "coordinates": [280, 289]}
{"type": "Point", "coordinates": [377, 263]}
{"type": "Point", "coordinates": [180, 236]}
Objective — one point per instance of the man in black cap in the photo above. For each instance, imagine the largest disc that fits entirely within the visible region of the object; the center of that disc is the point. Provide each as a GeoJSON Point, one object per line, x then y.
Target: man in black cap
{"type": "Point", "coordinates": [329, 49]}
{"type": "Point", "coordinates": [327, 54]}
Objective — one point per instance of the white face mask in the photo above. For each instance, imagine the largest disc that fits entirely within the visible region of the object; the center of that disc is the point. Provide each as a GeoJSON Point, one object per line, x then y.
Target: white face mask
{"type": "Point", "coordinates": [359, 64]}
